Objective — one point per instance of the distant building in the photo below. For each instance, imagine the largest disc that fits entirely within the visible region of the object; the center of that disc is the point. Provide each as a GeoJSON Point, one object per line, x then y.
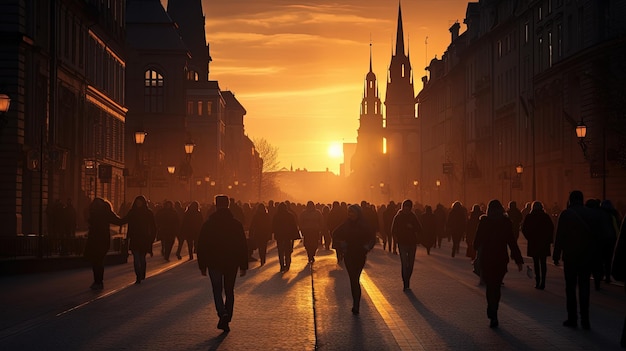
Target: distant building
{"type": "Point", "coordinates": [388, 150]}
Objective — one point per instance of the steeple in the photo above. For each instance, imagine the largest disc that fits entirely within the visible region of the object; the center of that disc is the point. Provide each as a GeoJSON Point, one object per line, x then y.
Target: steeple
{"type": "Point", "coordinates": [399, 33]}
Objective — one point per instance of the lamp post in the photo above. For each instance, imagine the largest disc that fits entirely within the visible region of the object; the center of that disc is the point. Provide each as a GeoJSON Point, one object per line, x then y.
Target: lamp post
{"type": "Point", "coordinates": [140, 138]}
{"type": "Point", "coordinates": [438, 184]}
{"type": "Point", "coordinates": [5, 102]}
{"type": "Point", "coordinates": [415, 184]}
{"type": "Point", "coordinates": [581, 134]}
{"type": "Point", "coordinates": [189, 146]}
{"type": "Point", "coordinates": [382, 189]}
{"type": "Point", "coordinates": [171, 170]}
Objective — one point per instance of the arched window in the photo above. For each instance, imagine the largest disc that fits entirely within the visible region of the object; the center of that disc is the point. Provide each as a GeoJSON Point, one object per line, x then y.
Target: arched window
{"type": "Point", "coordinates": [154, 91]}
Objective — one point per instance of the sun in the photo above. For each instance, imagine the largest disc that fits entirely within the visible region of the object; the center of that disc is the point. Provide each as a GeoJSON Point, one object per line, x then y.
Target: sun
{"type": "Point", "coordinates": [335, 150]}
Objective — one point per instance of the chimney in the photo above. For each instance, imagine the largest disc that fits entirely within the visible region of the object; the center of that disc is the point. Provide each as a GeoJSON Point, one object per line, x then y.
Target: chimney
{"type": "Point", "coordinates": [455, 30]}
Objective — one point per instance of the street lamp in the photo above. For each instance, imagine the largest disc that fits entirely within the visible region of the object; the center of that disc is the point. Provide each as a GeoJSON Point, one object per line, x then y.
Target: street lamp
{"type": "Point", "coordinates": [189, 146]}
{"type": "Point", "coordinates": [5, 102]}
{"type": "Point", "coordinates": [581, 133]}
{"type": "Point", "coordinates": [171, 170]}
{"type": "Point", "coordinates": [438, 184]}
{"type": "Point", "coordinates": [415, 184]}
{"type": "Point", "coordinates": [519, 169]}
{"type": "Point", "coordinates": [140, 138]}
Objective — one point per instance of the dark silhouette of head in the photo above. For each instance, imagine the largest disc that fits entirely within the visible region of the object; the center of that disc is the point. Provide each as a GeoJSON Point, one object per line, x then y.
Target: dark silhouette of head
{"type": "Point", "coordinates": [222, 201]}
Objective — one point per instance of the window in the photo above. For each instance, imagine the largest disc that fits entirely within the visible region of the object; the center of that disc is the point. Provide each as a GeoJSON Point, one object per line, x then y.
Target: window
{"type": "Point", "coordinates": [189, 108]}
{"type": "Point", "coordinates": [550, 49]}
{"type": "Point", "coordinates": [526, 34]}
{"type": "Point", "coordinates": [199, 108]}
{"type": "Point", "coordinates": [499, 48]}
{"type": "Point", "coordinates": [209, 107]}
{"type": "Point", "coordinates": [539, 13]}
{"type": "Point", "coordinates": [154, 92]}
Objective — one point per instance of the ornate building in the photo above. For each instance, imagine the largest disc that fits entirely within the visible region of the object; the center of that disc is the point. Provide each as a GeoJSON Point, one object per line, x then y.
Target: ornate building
{"type": "Point", "coordinates": [396, 173]}
{"type": "Point", "coordinates": [178, 106]}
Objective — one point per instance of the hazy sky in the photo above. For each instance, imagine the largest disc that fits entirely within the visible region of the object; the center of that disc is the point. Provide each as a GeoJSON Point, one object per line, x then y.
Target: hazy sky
{"type": "Point", "coordinates": [299, 67]}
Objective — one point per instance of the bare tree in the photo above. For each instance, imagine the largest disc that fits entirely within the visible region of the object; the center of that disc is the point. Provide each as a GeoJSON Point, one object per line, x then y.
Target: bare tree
{"type": "Point", "coordinates": [269, 154]}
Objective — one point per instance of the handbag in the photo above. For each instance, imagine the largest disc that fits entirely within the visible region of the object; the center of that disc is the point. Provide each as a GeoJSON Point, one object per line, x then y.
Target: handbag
{"type": "Point", "coordinates": [477, 263]}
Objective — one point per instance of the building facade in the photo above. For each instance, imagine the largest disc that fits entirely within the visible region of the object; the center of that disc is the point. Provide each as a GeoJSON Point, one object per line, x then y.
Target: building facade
{"type": "Point", "coordinates": [533, 71]}
{"type": "Point", "coordinates": [63, 65]}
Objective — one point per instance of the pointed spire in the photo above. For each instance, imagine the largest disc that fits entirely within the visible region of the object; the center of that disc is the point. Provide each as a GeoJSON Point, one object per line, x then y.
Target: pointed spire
{"type": "Point", "coordinates": [370, 54]}
{"type": "Point", "coordinates": [400, 32]}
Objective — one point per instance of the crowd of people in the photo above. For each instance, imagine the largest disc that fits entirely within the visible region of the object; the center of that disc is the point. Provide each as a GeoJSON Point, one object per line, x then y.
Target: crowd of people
{"type": "Point", "coordinates": [225, 234]}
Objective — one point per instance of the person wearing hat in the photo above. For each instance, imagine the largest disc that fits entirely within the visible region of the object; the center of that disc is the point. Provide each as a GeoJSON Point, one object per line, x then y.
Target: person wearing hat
{"type": "Point", "coordinates": [222, 251]}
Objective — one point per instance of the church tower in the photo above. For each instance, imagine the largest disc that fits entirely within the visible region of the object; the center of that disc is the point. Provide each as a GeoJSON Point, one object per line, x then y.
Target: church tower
{"type": "Point", "coordinates": [189, 18]}
{"type": "Point", "coordinates": [367, 162]}
{"type": "Point", "coordinates": [401, 124]}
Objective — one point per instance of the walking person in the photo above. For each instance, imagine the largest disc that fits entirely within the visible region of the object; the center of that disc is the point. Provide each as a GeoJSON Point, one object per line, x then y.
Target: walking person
{"type": "Point", "coordinates": [141, 234]}
{"type": "Point", "coordinates": [538, 229]}
{"type": "Point", "coordinates": [618, 269]}
{"type": "Point", "coordinates": [222, 251]}
{"type": "Point", "coordinates": [493, 236]}
{"type": "Point", "coordinates": [355, 238]}
{"type": "Point", "coordinates": [190, 229]}
{"type": "Point", "coordinates": [388, 215]}
{"type": "Point", "coordinates": [456, 225]}
{"type": "Point", "coordinates": [261, 231]}
{"type": "Point", "coordinates": [285, 230]}
{"type": "Point", "coordinates": [168, 228]}
{"type": "Point", "coordinates": [101, 216]}
{"type": "Point", "coordinates": [516, 217]}
{"type": "Point", "coordinates": [336, 216]}
{"type": "Point", "coordinates": [576, 242]}
{"type": "Point", "coordinates": [311, 226]}
{"type": "Point", "coordinates": [406, 230]}
{"type": "Point", "coordinates": [429, 228]}
{"type": "Point", "coordinates": [470, 233]}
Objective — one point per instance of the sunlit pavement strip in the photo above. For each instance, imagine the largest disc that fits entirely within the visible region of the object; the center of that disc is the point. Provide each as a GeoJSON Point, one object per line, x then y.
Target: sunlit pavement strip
{"type": "Point", "coordinates": [403, 335]}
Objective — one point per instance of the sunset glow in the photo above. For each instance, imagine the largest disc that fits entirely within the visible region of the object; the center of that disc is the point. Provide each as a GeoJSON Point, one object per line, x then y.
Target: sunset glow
{"type": "Point", "coordinates": [299, 70]}
{"type": "Point", "coordinates": [335, 150]}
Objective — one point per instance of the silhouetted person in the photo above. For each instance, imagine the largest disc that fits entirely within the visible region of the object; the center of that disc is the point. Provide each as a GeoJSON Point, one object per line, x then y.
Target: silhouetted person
{"type": "Point", "coordinates": [261, 231]}
{"type": "Point", "coordinates": [326, 237]}
{"type": "Point", "coordinates": [576, 242]}
{"type": "Point", "coordinates": [336, 216]}
{"type": "Point", "coordinates": [440, 216]}
{"type": "Point", "coordinates": [101, 216]}
{"type": "Point", "coordinates": [388, 215]}
{"type": "Point", "coordinates": [180, 211]}
{"type": "Point", "coordinates": [472, 226]}
{"type": "Point", "coordinates": [190, 229]}
{"type": "Point", "coordinates": [406, 230]}
{"type": "Point", "coordinates": [311, 224]}
{"type": "Point", "coordinates": [618, 270]}
{"type": "Point", "coordinates": [456, 225]}
{"type": "Point", "coordinates": [168, 228]}
{"type": "Point", "coordinates": [355, 238]}
{"type": "Point", "coordinates": [429, 228]}
{"type": "Point", "coordinates": [608, 241]}
{"type": "Point", "coordinates": [516, 217]}
{"type": "Point", "coordinates": [285, 230]}
{"type": "Point", "coordinates": [493, 236]}
{"type": "Point", "coordinates": [141, 234]}
{"type": "Point", "coordinates": [538, 229]}
{"type": "Point", "coordinates": [222, 250]}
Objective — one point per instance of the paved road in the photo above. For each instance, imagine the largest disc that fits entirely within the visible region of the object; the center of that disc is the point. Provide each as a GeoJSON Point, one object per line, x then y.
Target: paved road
{"type": "Point", "coordinates": [306, 308]}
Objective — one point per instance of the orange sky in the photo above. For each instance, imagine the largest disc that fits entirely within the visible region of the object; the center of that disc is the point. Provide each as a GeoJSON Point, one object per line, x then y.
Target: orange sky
{"type": "Point", "coordinates": [299, 67]}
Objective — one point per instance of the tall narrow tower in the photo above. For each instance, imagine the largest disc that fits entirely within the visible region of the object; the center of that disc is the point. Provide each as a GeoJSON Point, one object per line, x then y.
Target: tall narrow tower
{"type": "Point", "coordinates": [367, 162]}
{"type": "Point", "coordinates": [189, 17]}
{"type": "Point", "coordinates": [401, 128]}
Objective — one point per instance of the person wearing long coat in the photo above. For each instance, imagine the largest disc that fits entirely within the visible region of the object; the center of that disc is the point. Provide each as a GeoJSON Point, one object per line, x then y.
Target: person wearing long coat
{"type": "Point", "coordinates": [141, 234]}
{"type": "Point", "coordinates": [538, 229]}
{"type": "Point", "coordinates": [285, 230]}
{"type": "Point", "coordinates": [429, 228]}
{"type": "Point", "coordinates": [311, 225]}
{"type": "Point", "coordinates": [456, 225]}
{"type": "Point", "coordinates": [261, 231]}
{"type": "Point", "coordinates": [406, 230]}
{"type": "Point", "coordinates": [222, 251]}
{"type": "Point", "coordinates": [190, 229]}
{"type": "Point", "coordinates": [470, 234]}
{"type": "Point", "coordinates": [355, 239]}
{"type": "Point", "coordinates": [168, 228]}
{"type": "Point", "coordinates": [101, 216]}
{"type": "Point", "coordinates": [493, 236]}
